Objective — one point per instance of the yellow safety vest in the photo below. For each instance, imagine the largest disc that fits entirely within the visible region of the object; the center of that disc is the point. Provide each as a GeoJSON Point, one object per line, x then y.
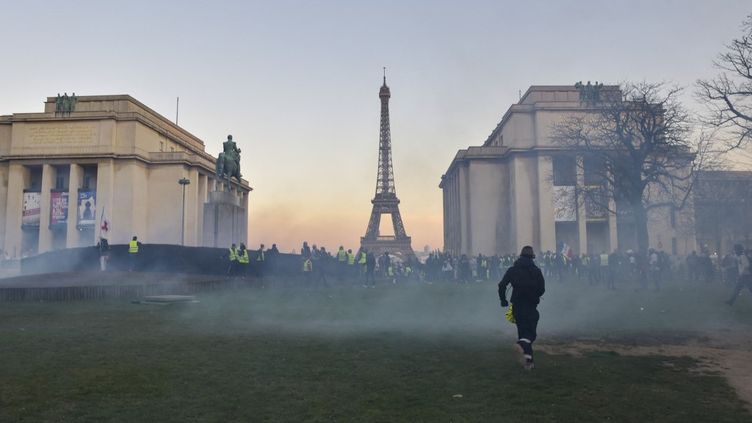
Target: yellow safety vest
{"type": "Point", "coordinates": [307, 265]}
{"type": "Point", "coordinates": [243, 258]}
{"type": "Point", "coordinates": [342, 255]}
{"type": "Point", "coordinates": [133, 247]}
{"type": "Point", "coordinates": [350, 258]}
{"type": "Point", "coordinates": [233, 255]}
{"type": "Point", "coordinates": [362, 259]}
{"type": "Point", "coordinates": [260, 257]}
{"type": "Point", "coordinates": [390, 271]}
{"type": "Point", "coordinates": [604, 259]}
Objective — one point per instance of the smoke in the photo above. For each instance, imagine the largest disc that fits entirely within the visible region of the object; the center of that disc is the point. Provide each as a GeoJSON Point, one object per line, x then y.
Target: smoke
{"type": "Point", "coordinates": [568, 310]}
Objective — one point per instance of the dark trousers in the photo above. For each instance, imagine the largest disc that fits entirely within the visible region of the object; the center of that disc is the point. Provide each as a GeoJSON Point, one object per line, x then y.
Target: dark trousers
{"type": "Point", "coordinates": [370, 277]}
{"type": "Point", "coordinates": [132, 261]}
{"type": "Point", "coordinates": [743, 281]}
{"type": "Point", "coordinates": [527, 317]}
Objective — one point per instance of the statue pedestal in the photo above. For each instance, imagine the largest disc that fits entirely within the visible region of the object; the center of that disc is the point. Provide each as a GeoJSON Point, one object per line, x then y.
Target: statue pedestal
{"type": "Point", "coordinates": [224, 220]}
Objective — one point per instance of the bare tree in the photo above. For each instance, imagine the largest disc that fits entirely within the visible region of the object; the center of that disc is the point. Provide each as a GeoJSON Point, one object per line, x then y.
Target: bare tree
{"type": "Point", "coordinates": [728, 96]}
{"type": "Point", "coordinates": [635, 153]}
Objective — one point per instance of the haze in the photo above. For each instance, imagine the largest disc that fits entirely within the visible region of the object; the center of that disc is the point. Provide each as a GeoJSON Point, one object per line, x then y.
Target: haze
{"type": "Point", "coordinates": [296, 83]}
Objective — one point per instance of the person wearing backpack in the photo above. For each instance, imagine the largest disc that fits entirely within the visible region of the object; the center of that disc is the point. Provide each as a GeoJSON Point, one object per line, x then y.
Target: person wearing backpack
{"type": "Point", "coordinates": [528, 285]}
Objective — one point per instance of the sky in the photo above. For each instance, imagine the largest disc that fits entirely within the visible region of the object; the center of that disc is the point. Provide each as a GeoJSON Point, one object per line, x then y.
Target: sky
{"type": "Point", "coordinates": [296, 83]}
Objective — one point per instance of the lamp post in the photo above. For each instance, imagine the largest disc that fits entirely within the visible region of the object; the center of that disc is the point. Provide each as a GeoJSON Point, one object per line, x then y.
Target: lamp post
{"type": "Point", "coordinates": [183, 182]}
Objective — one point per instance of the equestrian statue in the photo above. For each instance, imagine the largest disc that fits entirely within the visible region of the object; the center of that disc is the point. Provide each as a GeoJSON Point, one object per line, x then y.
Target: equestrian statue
{"type": "Point", "coordinates": [228, 162]}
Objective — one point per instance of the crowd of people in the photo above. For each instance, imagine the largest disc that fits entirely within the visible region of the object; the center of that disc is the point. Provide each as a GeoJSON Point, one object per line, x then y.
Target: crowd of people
{"type": "Point", "coordinates": [320, 267]}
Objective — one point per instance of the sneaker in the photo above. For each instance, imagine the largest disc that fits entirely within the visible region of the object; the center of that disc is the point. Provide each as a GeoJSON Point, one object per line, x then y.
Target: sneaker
{"type": "Point", "coordinates": [529, 365]}
{"type": "Point", "coordinates": [520, 353]}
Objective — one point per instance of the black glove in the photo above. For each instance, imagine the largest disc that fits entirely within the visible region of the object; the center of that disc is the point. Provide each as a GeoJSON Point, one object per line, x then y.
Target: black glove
{"type": "Point", "coordinates": [504, 303]}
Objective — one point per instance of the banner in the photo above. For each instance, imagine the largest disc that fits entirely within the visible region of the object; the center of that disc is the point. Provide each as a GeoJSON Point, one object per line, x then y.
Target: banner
{"type": "Point", "coordinates": [31, 211]}
{"type": "Point", "coordinates": [58, 207]}
{"type": "Point", "coordinates": [87, 208]}
{"type": "Point", "coordinates": [565, 206]}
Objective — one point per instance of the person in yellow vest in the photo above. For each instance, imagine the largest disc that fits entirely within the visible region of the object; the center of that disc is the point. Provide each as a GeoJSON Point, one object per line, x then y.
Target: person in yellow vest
{"type": "Point", "coordinates": [350, 264]}
{"type": "Point", "coordinates": [260, 263]}
{"type": "Point", "coordinates": [307, 270]}
{"type": "Point", "coordinates": [233, 257]}
{"type": "Point", "coordinates": [362, 264]}
{"type": "Point", "coordinates": [243, 260]}
{"type": "Point", "coordinates": [341, 262]}
{"type": "Point", "coordinates": [133, 254]}
{"type": "Point", "coordinates": [603, 272]}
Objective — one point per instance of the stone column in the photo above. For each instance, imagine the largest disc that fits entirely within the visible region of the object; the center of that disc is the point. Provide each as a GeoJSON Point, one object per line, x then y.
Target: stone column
{"type": "Point", "coordinates": [581, 213]}
{"type": "Point", "coordinates": [75, 178]}
{"type": "Point", "coordinates": [18, 179]}
{"type": "Point", "coordinates": [545, 200]}
{"type": "Point", "coordinates": [191, 208]}
{"type": "Point", "coordinates": [524, 203]}
{"type": "Point", "coordinates": [202, 195]}
{"type": "Point", "coordinates": [45, 234]}
{"type": "Point", "coordinates": [246, 214]}
{"type": "Point", "coordinates": [105, 201]}
{"type": "Point", "coordinates": [613, 240]}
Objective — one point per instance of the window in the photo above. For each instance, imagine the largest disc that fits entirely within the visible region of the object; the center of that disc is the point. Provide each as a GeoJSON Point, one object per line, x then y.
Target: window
{"type": "Point", "coordinates": [161, 146]}
{"type": "Point", "coordinates": [593, 171]}
{"type": "Point", "coordinates": [565, 170]}
{"type": "Point", "coordinates": [60, 182]}
{"type": "Point", "coordinates": [673, 217]}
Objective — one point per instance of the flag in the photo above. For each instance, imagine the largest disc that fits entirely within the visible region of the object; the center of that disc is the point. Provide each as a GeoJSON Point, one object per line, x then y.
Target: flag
{"type": "Point", "coordinates": [104, 227]}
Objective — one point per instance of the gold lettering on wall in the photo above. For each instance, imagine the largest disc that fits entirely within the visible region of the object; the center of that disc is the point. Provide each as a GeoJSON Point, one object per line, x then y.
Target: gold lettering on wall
{"type": "Point", "coordinates": [64, 134]}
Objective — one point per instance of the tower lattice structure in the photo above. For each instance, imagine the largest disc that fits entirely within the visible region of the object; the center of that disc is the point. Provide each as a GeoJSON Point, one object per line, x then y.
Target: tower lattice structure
{"type": "Point", "coordinates": [385, 201]}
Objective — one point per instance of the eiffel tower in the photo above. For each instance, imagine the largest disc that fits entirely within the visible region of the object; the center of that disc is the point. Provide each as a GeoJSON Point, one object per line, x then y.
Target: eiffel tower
{"type": "Point", "coordinates": [385, 201]}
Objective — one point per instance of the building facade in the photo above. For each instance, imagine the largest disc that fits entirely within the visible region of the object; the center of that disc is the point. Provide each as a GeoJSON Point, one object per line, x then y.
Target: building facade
{"type": "Point", "coordinates": [518, 188]}
{"type": "Point", "coordinates": [64, 172]}
{"type": "Point", "coordinates": [723, 210]}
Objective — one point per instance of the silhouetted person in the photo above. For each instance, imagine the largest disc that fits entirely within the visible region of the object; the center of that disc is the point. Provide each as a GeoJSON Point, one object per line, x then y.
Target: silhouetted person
{"type": "Point", "coordinates": [104, 253]}
{"type": "Point", "coordinates": [744, 278]}
{"type": "Point", "coordinates": [370, 268]}
{"type": "Point", "coordinates": [528, 286]}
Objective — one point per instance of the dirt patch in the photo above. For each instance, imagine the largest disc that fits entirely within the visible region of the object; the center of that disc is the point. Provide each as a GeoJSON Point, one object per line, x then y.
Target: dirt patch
{"type": "Point", "coordinates": [729, 356]}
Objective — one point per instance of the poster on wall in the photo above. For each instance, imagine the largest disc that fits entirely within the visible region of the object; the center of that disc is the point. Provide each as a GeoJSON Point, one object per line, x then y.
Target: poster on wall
{"type": "Point", "coordinates": [565, 205]}
{"type": "Point", "coordinates": [30, 214]}
{"type": "Point", "coordinates": [58, 207]}
{"type": "Point", "coordinates": [87, 208]}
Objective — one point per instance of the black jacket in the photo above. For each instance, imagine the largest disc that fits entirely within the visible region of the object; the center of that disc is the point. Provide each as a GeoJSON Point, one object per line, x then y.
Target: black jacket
{"type": "Point", "coordinates": [527, 282]}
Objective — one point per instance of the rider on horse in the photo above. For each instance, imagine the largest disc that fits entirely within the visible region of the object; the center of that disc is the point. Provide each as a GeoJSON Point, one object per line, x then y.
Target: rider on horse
{"type": "Point", "coordinates": [228, 162]}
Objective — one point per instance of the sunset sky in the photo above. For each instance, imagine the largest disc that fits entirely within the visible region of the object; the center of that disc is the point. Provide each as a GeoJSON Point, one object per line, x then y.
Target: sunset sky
{"type": "Point", "coordinates": [296, 83]}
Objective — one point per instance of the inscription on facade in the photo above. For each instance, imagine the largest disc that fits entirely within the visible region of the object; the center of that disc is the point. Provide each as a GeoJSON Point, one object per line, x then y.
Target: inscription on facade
{"type": "Point", "coordinates": [62, 135]}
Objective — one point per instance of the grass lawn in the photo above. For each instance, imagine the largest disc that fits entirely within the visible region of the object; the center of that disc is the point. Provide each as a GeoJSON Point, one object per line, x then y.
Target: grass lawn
{"type": "Point", "coordinates": [356, 355]}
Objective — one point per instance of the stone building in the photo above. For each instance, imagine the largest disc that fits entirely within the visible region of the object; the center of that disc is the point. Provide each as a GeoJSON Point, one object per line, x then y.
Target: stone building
{"type": "Point", "coordinates": [65, 171]}
{"type": "Point", "coordinates": [518, 188]}
{"type": "Point", "coordinates": [723, 210]}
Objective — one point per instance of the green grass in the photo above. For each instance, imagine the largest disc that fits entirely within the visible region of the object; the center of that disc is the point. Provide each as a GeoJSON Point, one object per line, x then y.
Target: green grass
{"type": "Point", "coordinates": [355, 355]}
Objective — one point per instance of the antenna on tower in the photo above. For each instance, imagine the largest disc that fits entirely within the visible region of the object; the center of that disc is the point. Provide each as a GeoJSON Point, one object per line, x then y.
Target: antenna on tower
{"type": "Point", "coordinates": [384, 75]}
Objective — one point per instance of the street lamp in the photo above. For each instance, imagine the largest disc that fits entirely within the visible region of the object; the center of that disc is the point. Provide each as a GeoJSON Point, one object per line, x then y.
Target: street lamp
{"type": "Point", "coordinates": [183, 182]}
